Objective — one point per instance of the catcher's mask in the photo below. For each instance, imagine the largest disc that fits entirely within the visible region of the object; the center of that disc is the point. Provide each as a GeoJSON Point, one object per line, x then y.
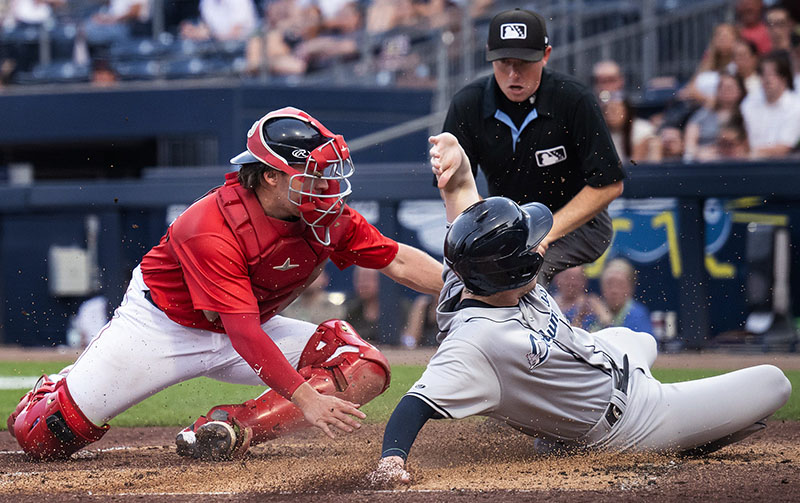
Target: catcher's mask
{"type": "Point", "coordinates": [491, 246]}
{"type": "Point", "coordinates": [295, 143]}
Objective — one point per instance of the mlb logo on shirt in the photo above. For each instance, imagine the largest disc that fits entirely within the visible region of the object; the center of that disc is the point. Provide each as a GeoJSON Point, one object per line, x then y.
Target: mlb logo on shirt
{"type": "Point", "coordinates": [513, 31]}
{"type": "Point", "coordinates": [551, 156]}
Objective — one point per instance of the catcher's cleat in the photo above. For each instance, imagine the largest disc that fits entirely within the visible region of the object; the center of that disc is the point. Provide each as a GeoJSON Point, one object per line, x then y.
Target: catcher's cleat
{"type": "Point", "coordinates": [216, 441]}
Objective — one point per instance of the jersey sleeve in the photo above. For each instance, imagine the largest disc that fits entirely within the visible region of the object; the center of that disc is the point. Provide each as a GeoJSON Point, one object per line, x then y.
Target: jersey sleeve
{"type": "Point", "coordinates": [215, 272]}
{"type": "Point", "coordinates": [595, 148]}
{"type": "Point", "coordinates": [458, 382]}
{"type": "Point", "coordinates": [363, 245]}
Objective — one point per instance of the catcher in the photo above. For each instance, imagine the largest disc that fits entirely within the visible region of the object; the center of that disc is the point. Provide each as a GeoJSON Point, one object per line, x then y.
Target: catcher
{"type": "Point", "coordinates": [205, 302]}
{"type": "Point", "coordinates": [508, 352]}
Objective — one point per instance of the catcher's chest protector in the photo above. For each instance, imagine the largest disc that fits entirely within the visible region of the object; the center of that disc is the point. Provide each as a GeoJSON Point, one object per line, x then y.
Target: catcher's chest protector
{"type": "Point", "coordinates": [281, 257]}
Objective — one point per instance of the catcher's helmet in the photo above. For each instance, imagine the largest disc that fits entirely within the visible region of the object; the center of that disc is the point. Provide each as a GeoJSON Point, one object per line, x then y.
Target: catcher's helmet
{"type": "Point", "coordinates": [491, 246]}
{"type": "Point", "coordinates": [292, 141]}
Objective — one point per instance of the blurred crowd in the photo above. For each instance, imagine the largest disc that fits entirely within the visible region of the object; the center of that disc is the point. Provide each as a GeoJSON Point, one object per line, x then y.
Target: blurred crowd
{"type": "Point", "coordinates": [275, 37]}
{"type": "Point", "coordinates": [742, 102]}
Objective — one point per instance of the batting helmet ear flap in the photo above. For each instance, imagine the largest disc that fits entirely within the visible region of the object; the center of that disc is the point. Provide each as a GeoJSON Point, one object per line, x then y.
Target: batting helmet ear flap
{"type": "Point", "coordinates": [540, 223]}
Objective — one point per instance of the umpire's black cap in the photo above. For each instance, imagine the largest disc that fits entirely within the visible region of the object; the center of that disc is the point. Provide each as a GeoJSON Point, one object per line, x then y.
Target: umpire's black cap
{"type": "Point", "coordinates": [519, 34]}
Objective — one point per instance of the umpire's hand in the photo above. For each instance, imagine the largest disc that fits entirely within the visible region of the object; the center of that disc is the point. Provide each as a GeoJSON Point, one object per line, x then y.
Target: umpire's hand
{"type": "Point", "coordinates": [324, 410]}
{"type": "Point", "coordinates": [389, 473]}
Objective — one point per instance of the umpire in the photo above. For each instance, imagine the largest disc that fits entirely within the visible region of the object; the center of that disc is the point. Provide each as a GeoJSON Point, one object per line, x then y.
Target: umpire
{"type": "Point", "coordinates": [539, 135]}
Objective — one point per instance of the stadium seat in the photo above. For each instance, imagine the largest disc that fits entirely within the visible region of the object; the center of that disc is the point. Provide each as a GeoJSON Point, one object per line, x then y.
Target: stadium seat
{"type": "Point", "coordinates": [61, 72]}
{"type": "Point", "coordinates": [137, 69]}
{"type": "Point", "coordinates": [139, 48]}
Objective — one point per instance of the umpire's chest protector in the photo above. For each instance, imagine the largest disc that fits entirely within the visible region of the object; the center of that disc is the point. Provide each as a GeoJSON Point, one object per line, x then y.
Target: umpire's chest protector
{"type": "Point", "coordinates": [282, 257]}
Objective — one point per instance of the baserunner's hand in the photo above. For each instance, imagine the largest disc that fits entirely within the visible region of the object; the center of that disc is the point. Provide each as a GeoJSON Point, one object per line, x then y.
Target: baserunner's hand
{"type": "Point", "coordinates": [447, 157]}
{"type": "Point", "coordinates": [324, 411]}
{"type": "Point", "coordinates": [389, 473]}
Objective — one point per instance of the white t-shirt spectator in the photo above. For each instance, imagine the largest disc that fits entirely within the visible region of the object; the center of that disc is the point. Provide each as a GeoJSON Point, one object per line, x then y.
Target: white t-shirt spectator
{"type": "Point", "coordinates": [772, 124]}
{"type": "Point", "coordinates": [30, 11]}
{"type": "Point", "coordinates": [119, 8]}
{"type": "Point", "coordinates": [229, 19]}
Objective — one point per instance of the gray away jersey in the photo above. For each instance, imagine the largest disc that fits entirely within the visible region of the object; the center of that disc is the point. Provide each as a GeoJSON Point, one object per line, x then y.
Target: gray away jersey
{"type": "Point", "coordinates": [524, 365]}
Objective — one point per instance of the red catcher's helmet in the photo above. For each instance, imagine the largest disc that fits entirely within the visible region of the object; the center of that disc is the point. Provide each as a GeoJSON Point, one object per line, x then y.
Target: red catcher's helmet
{"type": "Point", "coordinates": [292, 141]}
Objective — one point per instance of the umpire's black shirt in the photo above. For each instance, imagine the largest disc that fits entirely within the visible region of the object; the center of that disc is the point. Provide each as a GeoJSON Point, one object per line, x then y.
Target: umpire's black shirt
{"type": "Point", "coordinates": [546, 151]}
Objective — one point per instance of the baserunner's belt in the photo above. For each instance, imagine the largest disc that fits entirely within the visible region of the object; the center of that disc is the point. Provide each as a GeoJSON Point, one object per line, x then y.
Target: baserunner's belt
{"type": "Point", "coordinates": [616, 404]}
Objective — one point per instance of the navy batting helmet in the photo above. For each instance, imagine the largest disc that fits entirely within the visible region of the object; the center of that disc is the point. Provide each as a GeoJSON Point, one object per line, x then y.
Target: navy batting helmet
{"type": "Point", "coordinates": [491, 246]}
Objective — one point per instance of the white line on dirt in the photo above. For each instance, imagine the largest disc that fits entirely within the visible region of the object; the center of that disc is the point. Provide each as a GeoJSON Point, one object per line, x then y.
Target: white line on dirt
{"type": "Point", "coordinates": [210, 493]}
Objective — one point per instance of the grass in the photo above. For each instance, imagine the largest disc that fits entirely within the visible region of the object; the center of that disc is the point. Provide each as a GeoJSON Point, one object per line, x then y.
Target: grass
{"type": "Point", "coordinates": [179, 405]}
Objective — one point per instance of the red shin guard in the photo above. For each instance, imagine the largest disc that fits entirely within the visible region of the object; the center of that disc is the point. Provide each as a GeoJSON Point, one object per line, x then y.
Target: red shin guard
{"type": "Point", "coordinates": [50, 425]}
{"type": "Point", "coordinates": [336, 361]}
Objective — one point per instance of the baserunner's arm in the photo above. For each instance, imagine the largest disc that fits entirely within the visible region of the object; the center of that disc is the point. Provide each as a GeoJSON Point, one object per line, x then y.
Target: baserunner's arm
{"type": "Point", "coordinates": [454, 177]}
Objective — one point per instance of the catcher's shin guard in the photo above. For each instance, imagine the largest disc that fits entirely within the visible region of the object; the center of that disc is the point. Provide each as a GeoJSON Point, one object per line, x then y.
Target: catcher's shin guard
{"type": "Point", "coordinates": [336, 361]}
{"type": "Point", "coordinates": [49, 425]}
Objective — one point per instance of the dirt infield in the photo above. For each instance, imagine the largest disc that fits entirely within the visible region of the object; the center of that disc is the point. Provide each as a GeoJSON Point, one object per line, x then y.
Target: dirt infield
{"type": "Point", "coordinates": [450, 462]}
{"type": "Point", "coordinates": [464, 461]}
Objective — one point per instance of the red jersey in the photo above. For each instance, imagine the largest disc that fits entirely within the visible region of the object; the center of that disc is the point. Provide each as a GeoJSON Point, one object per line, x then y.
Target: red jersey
{"type": "Point", "coordinates": [201, 264]}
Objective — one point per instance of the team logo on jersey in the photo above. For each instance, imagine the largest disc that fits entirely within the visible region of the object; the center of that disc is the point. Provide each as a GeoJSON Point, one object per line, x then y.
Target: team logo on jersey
{"type": "Point", "coordinates": [551, 156]}
{"type": "Point", "coordinates": [513, 31]}
{"type": "Point", "coordinates": [286, 265]}
{"type": "Point", "coordinates": [540, 350]}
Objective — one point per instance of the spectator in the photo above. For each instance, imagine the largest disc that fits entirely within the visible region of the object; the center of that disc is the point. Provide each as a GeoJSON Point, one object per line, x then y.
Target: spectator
{"type": "Point", "coordinates": [22, 14]}
{"type": "Point", "coordinates": [31, 12]}
{"type": "Point", "coordinates": [7, 63]}
{"type": "Point", "coordinates": [745, 57]}
{"type": "Point", "coordinates": [222, 20]}
{"type": "Point", "coordinates": [87, 322]}
{"type": "Point", "coordinates": [749, 21]}
{"type": "Point", "coordinates": [796, 58]}
{"type": "Point", "coordinates": [120, 19]}
{"type": "Point", "coordinates": [634, 138]}
{"type": "Point", "coordinates": [103, 74]}
{"type": "Point", "coordinates": [5, 13]}
{"type": "Point", "coordinates": [607, 80]}
{"type": "Point", "coordinates": [780, 26]}
{"type": "Point", "coordinates": [287, 24]}
{"type": "Point", "coordinates": [392, 25]}
{"type": "Point", "coordinates": [618, 284]}
{"type": "Point", "coordinates": [338, 39]}
{"type": "Point", "coordinates": [314, 304]}
{"type": "Point", "coordinates": [717, 57]}
{"type": "Point", "coordinates": [581, 308]}
{"type": "Point", "coordinates": [363, 310]}
{"type": "Point", "coordinates": [386, 15]}
{"type": "Point", "coordinates": [670, 144]}
{"type": "Point", "coordinates": [772, 119]}
{"type": "Point", "coordinates": [421, 327]}
{"type": "Point", "coordinates": [732, 143]}
{"type": "Point", "coordinates": [705, 124]}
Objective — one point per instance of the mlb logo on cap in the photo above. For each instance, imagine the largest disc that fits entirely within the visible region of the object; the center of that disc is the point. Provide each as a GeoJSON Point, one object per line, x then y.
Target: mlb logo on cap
{"type": "Point", "coordinates": [519, 34]}
{"type": "Point", "coordinates": [513, 30]}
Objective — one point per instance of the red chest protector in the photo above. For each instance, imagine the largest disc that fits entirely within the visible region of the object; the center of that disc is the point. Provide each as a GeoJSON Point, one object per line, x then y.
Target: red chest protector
{"type": "Point", "coordinates": [283, 258]}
